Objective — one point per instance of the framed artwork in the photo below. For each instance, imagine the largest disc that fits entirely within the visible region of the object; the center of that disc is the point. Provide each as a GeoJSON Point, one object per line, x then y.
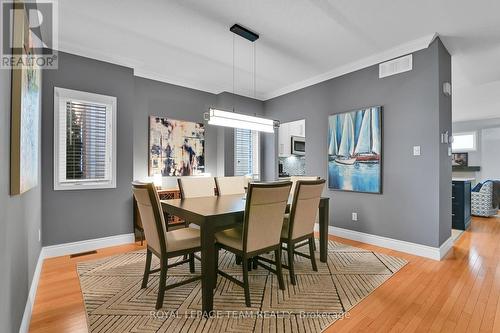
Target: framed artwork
{"type": "Point", "coordinates": [176, 147]}
{"type": "Point", "coordinates": [25, 113]}
{"type": "Point", "coordinates": [355, 151]}
{"type": "Point", "coordinates": [460, 159]}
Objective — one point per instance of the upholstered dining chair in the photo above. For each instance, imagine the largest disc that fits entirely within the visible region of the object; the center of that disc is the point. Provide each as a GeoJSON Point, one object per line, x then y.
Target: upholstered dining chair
{"type": "Point", "coordinates": [295, 179]}
{"type": "Point", "coordinates": [230, 185]}
{"type": "Point", "coordinates": [260, 233]}
{"type": "Point", "coordinates": [163, 244]}
{"type": "Point", "coordinates": [195, 187]}
{"type": "Point", "coordinates": [298, 226]}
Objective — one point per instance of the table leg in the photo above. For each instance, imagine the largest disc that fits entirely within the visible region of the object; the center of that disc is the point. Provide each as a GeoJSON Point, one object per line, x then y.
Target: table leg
{"type": "Point", "coordinates": [323, 229]}
{"type": "Point", "coordinates": [207, 266]}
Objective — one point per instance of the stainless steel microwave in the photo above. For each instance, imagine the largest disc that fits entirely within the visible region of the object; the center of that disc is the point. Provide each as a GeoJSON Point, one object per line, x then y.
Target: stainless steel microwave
{"type": "Point", "coordinates": [298, 145]}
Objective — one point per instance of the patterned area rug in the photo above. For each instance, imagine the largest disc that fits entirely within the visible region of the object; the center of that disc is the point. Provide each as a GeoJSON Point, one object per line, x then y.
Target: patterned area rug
{"type": "Point", "coordinates": [115, 302]}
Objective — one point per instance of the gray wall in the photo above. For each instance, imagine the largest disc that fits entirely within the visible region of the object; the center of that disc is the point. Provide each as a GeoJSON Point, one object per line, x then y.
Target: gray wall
{"type": "Point", "coordinates": [445, 172]}
{"type": "Point", "coordinates": [162, 99]}
{"type": "Point", "coordinates": [20, 220]}
{"type": "Point", "coordinates": [410, 207]}
{"type": "Point", "coordinates": [70, 216]}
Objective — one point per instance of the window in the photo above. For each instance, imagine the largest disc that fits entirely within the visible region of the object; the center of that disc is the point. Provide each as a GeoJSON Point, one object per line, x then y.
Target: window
{"type": "Point", "coordinates": [464, 142]}
{"type": "Point", "coordinates": [84, 140]}
{"type": "Point", "coordinates": [246, 153]}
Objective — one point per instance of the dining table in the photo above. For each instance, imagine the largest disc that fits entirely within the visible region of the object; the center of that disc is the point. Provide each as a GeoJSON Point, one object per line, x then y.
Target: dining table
{"type": "Point", "coordinates": [216, 213]}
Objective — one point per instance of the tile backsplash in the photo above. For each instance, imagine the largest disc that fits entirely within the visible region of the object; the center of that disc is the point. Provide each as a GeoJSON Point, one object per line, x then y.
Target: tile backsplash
{"type": "Point", "coordinates": [294, 165]}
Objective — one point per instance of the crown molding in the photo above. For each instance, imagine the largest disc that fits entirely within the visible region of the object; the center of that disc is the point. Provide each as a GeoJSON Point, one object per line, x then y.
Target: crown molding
{"type": "Point", "coordinates": [398, 51]}
{"type": "Point", "coordinates": [139, 69]}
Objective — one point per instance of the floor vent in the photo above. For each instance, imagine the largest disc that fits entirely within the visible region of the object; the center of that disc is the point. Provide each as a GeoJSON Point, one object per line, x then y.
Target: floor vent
{"type": "Point", "coordinates": [81, 254]}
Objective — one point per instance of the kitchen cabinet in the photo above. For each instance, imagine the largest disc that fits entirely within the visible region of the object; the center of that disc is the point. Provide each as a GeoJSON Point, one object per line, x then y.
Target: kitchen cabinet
{"type": "Point", "coordinates": [285, 133]}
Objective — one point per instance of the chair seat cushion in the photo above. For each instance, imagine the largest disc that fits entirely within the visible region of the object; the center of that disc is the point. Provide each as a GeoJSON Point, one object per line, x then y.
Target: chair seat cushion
{"type": "Point", "coordinates": [231, 237]}
{"type": "Point", "coordinates": [183, 239]}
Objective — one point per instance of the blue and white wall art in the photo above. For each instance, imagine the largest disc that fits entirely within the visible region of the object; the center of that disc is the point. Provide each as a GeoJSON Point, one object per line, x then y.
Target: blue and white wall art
{"type": "Point", "coordinates": [355, 151]}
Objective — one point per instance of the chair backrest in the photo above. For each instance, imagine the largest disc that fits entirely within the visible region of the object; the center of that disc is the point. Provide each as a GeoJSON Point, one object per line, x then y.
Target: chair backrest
{"type": "Point", "coordinates": [148, 204]}
{"type": "Point", "coordinates": [487, 188]}
{"type": "Point", "coordinates": [295, 179]}
{"type": "Point", "coordinates": [230, 185]}
{"type": "Point", "coordinates": [264, 211]}
{"type": "Point", "coordinates": [194, 187]}
{"type": "Point", "coordinates": [304, 207]}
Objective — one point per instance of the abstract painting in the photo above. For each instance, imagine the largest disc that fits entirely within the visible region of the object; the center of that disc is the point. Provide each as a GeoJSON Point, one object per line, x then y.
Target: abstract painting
{"type": "Point", "coordinates": [355, 150]}
{"type": "Point", "coordinates": [176, 147]}
{"type": "Point", "coordinates": [25, 116]}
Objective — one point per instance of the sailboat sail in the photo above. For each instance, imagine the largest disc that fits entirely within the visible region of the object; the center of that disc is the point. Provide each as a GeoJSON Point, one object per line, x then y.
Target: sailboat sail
{"type": "Point", "coordinates": [363, 145]}
{"type": "Point", "coordinates": [346, 148]}
{"type": "Point", "coordinates": [376, 131]}
{"type": "Point", "coordinates": [333, 147]}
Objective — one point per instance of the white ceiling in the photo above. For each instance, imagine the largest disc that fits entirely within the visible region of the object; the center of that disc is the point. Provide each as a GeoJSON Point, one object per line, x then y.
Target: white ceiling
{"type": "Point", "coordinates": [187, 42]}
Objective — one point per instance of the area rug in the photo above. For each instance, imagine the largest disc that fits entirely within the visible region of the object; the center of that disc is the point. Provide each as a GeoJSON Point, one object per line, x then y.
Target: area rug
{"type": "Point", "coordinates": [115, 302]}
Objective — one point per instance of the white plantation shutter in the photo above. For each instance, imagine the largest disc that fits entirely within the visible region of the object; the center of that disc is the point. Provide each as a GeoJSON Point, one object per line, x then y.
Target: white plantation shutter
{"type": "Point", "coordinates": [84, 140]}
{"type": "Point", "coordinates": [246, 153]}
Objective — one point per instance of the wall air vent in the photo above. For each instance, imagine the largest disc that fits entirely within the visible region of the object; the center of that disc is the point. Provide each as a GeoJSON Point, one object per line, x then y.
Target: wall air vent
{"type": "Point", "coordinates": [395, 66]}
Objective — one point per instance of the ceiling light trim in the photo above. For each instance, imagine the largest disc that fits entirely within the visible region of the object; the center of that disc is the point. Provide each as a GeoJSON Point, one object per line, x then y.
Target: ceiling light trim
{"type": "Point", "coordinates": [398, 51]}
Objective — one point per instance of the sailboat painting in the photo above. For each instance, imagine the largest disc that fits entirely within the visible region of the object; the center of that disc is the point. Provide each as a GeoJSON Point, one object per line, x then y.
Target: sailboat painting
{"type": "Point", "coordinates": [355, 151]}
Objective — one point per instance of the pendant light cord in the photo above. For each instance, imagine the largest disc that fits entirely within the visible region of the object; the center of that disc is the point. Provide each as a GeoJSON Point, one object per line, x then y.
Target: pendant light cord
{"type": "Point", "coordinates": [234, 99]}
{"type": "Point", "coordinates": [255, 70]}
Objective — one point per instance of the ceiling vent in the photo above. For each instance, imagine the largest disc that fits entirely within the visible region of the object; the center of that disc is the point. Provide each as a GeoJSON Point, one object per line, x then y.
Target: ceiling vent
{"type": "Point", "coordinates": [396, 66]}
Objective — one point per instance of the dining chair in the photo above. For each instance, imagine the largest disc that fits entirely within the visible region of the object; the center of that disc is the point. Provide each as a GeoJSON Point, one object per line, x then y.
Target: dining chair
{"type": "Point", "coordinates": [298, 225]}
{"type": "Point", "coordinates": [163, 244]}
{"type": "Point", "coordinates": [260, 232]}
{"type": "Point", "coordinates": [230, 185]}
{"type": "Point", "coordinates": [195, 187]}
{"type": "Point", "coordinates": [295, 179]}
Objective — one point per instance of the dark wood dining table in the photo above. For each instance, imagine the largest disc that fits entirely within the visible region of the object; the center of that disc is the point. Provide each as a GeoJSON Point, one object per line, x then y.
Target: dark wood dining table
{"type": "Point", "coordinates": [217, 213]}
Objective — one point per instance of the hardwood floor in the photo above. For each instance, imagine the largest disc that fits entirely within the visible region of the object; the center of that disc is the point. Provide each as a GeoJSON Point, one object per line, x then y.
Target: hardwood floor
{"type": "Point", "coordinates": [458, 294]}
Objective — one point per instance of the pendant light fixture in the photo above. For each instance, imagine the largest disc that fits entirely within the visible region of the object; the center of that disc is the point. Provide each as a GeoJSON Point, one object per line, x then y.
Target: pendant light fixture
{"type": "Point", "coordinates": [237, 120]}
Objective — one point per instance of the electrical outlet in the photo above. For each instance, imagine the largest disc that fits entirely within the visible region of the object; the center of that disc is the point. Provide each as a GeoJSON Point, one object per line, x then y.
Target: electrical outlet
{"type": "Point", "coordinates": [354, 216]}
{"type": "Point", "coordinates": [416, 151]}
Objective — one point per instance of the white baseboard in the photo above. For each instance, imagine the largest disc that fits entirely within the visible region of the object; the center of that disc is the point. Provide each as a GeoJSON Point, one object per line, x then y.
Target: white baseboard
{"type": "Point", "coordinates": [86, 245]}
{"type": "Point", "coordinates": [28, 309]}
{"type": "Point", "coordinates": [62, 250]}
{"type": "Point", "coordinates": [435, 253]}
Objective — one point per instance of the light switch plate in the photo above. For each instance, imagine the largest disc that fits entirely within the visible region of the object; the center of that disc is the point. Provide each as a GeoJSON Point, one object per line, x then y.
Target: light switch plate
{"type": "Point", "coordinates": [354, 216]}
{"type": "Point", "coordinates": [416, 150]}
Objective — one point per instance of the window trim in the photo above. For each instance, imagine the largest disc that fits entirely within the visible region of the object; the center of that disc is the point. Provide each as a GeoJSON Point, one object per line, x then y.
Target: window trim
{"type": "Point", "coordinates": [465, 150]}
{"type": "Point", "coordinates": [61, 93]}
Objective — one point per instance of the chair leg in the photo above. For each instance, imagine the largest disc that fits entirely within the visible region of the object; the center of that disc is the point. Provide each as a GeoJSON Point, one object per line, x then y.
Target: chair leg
{"type": "Point", "coordinates": [290, 248]}
{"type": "Point", "coordinates": [279, 271]}
{"type": "Point", "coordinates": [255, 265]}
{"type": "Point", "coordinates": [311, 254]}
{"type": "Point", "coordinates": [250, 264]}
{"type": "Point", "coordinates": [237, 259]}
{"type": "Point", "coordinates": [147, 268]}
{"type": "Point", "coordinates": [191, 262]}
{"type": "Point", "coordinates": [246, 286]}
{"type": "Point", "coordinates": [162, 283]}
{"type": "Point", "coordinates": [142, 237]}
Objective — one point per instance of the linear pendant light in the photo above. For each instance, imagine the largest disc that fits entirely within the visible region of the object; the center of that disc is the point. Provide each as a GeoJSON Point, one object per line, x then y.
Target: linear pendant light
{"type": "Point", "coordinates": [237, 120]}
